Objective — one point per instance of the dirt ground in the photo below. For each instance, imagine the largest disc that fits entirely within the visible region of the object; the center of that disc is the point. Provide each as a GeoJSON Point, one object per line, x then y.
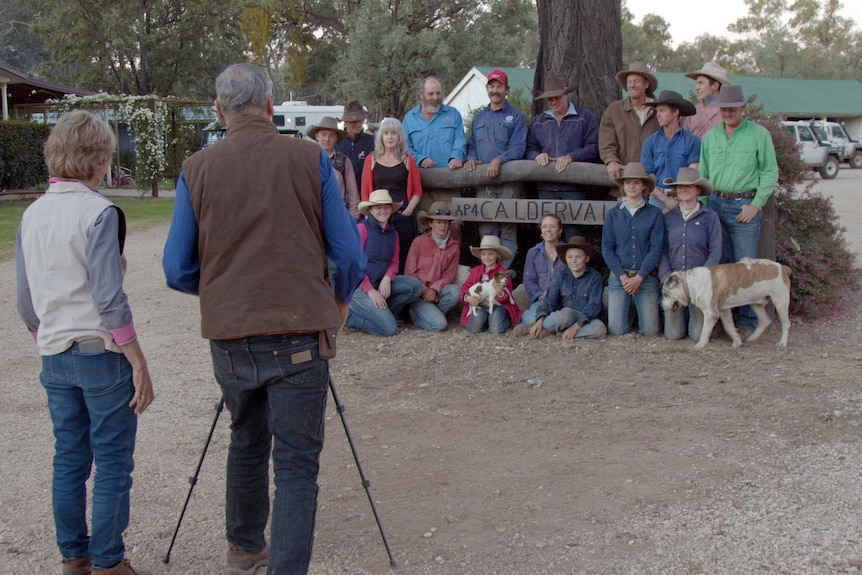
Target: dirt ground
{"type": "Point", "coordinates": [488, 454]}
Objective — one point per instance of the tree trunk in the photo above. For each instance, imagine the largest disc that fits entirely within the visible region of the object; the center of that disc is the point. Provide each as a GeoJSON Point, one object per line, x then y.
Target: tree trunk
{"type": "Point", "coordinates": [581, 41]}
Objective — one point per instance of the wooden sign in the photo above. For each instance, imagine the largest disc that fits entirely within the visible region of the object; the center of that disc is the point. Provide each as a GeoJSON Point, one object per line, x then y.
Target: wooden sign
{"type": "Point", "coordinates": [582, 212]}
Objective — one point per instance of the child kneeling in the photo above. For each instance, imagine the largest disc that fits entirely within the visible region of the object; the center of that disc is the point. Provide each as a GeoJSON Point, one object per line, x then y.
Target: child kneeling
{"type": "Point", "coordinates": [506, 312]}
{"type": "Point", "coordinates": [574, 301]}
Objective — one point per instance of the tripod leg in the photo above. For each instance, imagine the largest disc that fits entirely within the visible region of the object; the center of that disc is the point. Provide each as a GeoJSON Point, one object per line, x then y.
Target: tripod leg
{"type": "Point", "coordinates": [365, 482]}
{"type": "Point", "coordinates": [194, 479]}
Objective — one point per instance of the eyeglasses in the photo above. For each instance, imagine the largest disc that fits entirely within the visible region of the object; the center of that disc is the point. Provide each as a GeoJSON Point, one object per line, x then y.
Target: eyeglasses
{"type": "Point", "coordinates": [440, 213]}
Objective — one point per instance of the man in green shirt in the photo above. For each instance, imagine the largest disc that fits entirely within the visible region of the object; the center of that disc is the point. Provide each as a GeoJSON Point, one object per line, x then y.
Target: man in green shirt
{"type": "Point", "coordinates": [737, 157]}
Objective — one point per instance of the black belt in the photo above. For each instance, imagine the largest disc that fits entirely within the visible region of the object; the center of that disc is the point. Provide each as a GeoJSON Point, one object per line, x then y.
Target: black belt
{"type": "Point", "coordinates": [736, 195]}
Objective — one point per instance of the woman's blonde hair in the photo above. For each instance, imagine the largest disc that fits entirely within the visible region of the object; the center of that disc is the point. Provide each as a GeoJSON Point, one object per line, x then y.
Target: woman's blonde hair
{"type": "Point", "coordinates": [390, 125]}
{"type": "Point", "coordinates": [78, 146]}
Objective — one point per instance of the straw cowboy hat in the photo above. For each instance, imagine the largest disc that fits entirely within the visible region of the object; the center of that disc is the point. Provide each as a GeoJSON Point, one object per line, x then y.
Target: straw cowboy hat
{"type": "Point", "coordinates": [730, 96]}
{"type": "Point", "coordinates": [710, 70]}
{"type": "Point", "coordinates": [640, 69]}
{"type": "Point", "coordinates": [579, 242]}
{"type": "Point", "coordinates": [492, 243]}
{"type": "Point", "coordinates": [554, 86]}
{"type": "Point", "coordinates": [327, 123]}
{"type": "Point", "coordinates": [635, 171]}
{"type": "Point", "coordinates": [378, 198]}
{"type": "Point", "coordinates": [675, 99]}
{"type": "Point", "coordinates": [353, 111]}
{"type": "Point", "coordinates": [689, 177]}
{"type": "Point", "coordinates": [437, 211]}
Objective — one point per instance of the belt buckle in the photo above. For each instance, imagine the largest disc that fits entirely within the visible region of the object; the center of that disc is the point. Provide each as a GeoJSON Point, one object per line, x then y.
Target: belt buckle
{"type": "Point", "coordinates": [631, 274]}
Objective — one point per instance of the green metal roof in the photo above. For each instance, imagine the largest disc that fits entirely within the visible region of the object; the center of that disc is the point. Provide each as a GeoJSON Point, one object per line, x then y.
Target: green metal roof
{"type": "Point", "coordinates": [785, 96]}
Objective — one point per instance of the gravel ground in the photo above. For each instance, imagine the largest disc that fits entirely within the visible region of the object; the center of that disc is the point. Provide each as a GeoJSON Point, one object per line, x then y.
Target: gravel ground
{"type": "Point", "coordinates": [493, 455]}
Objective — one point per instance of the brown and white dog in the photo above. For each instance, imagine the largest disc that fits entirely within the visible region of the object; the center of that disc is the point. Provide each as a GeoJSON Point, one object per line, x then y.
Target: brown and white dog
{"type": "Point", "coordinates": [715, 290]}
{"type": "Point", "coordinates": [487, 291]}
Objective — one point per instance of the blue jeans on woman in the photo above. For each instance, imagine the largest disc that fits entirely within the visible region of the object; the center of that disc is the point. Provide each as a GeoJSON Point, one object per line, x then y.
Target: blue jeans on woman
{"type": "Point", "coordinates": [365, 316]}
{"type": "Point", "coordinates": [88, 397]}
{"type": "Point", "coordinates": [622, 307]}
{"type": "Point", "coordinates": [432, 316]}
{"type": "Point", "coordinates": [274, 387]}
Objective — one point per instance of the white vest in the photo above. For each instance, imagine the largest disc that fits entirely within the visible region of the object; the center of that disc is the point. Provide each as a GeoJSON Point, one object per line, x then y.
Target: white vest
{"type": "Point", "coordinates": [54, 233]}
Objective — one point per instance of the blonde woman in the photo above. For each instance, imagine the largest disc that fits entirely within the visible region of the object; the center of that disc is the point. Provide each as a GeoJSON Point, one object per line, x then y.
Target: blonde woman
{"type": "Point", "coordinates": [391, 168]}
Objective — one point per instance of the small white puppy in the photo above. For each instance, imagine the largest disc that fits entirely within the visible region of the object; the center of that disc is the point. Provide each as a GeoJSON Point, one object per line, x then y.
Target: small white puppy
{"type": "Point", "coordinates": [487, 291]}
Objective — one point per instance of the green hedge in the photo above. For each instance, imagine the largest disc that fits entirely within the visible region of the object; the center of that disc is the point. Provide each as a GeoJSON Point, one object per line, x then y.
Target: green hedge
{"type": "Point", "coordinates": [21, 162]}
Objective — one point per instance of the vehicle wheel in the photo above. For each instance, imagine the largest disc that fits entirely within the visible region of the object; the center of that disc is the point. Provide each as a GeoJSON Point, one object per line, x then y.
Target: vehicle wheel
{"type": "Point", "coordinates": [856, 160]}
{"type": "Point", "coordinates": [830, 169]}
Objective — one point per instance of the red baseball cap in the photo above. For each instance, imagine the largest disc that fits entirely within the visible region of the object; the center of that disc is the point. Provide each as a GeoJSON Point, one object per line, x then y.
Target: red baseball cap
{"type": "Point", "coordinates": [498, 75]}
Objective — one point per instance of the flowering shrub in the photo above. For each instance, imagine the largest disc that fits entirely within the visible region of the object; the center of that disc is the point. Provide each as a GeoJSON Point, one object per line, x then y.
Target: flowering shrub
{"type": "Point", "coordinates": [808, 237]}
{"type": "Point", "coordinates": [146, 116]}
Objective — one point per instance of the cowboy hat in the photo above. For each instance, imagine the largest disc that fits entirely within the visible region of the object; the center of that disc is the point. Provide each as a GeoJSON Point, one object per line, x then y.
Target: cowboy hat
{"type": "Point", "coordinates": [689, 177]}
{"type": "Point", "coordinates": [640, 69]}
{"type": "Point", "coordinates": [581, 243]}
{"type": "Point", "coordinates": [326, 123]}
{"type": "Point", "coordinates": [437, 211]}
{"type": "Point", "coordinates": [635, 171]}
{"type": "Point", "coordinates": [675, 99]}
{"type": "Point", "coordinates": [378, 198]}
{"type": "Point", "coordinates": [554, 86]}
{"type": "Point", "coordinates": [710, 70]}
{"type": "Point", "coordinates": [492, 243]}
{"type": "Point", "coordinates": [730, 96]}
{"type": "Point", "coordinates": [353, 112]}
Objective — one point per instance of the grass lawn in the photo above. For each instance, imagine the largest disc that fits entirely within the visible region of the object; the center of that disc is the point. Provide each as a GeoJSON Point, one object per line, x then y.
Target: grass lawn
{"type": "Point", "coordinates": [140, 214]}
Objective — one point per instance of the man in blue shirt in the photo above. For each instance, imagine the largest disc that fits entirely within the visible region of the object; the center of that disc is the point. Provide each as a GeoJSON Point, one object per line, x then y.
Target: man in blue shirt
{"type": "Point", "coordinates": [435, 132]}
{"type": "Point", "coordinates": [670, 147]}
{"type": "Point", "coordinates": [562, 134]}
{"type": "Point", "coordinates": [255, 217]}
{"type": "Point", "coordinates": [498, 135]}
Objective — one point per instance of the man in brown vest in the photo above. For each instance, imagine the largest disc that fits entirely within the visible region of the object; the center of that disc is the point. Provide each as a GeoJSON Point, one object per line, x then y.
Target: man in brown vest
{"type": "Point", "coordinates": [255, 217]}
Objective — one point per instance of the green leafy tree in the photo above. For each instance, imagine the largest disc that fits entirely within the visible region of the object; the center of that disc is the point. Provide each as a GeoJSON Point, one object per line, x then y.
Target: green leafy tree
{"type": "Point", "coordinates": [390, 46]}
{"type": "Point", "coordinates": [20, 47]}
{"type": "Point", "coordinates": [649, 41]}
{"type": "Point", "coordinates": [140, 47]}
{"type": "Point", "coordinates": [807, 38]}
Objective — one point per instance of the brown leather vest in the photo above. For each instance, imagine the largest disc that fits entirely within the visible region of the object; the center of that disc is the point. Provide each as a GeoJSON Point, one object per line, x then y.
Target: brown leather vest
{"type": "Point", "coordinates": [257, 201]}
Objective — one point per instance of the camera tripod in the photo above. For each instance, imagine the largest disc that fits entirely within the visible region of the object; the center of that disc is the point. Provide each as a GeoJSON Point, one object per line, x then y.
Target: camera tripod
{"type": "Point", "coordinates": [365, 482]}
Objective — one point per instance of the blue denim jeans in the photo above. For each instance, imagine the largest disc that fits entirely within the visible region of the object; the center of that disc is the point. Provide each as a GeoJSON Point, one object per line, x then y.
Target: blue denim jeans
{"type": "Point", "coordinates": [275, 389]}
{"type": "Point", "coordinates": [685, 320]}
{"type": "Point", "coordinates": [432, 316]}
{"type": "Point", "coordinates": [507, 231]}
{"type": "Point", "coordinates": [560, 320]}
{"type": "Point", "coordinates": [738, 241]}
{"type": "Point", "coordinates": [365, 316]}
{"type": "Point", "coordinates": [498, 321]}
{"type": "Point", "coordinates": [88, 397]}
{"type": "Point", "coordinates": [622, 307]}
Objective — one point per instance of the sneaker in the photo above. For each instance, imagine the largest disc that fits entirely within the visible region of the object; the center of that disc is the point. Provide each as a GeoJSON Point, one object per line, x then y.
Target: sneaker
{"type": "Point", "coordinates": [241, 563]}
{"type": "Point", "coordinates": [77, 566]}
{"type": "Point", "coordinates": [121, 568]}
{"type": "Point", "coordinates": [521, 329]}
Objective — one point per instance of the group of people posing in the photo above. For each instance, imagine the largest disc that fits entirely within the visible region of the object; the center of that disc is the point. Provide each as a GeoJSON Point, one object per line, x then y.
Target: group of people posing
{"type": "Point", "coordinates": [259, 218]}
{"type": "Point", "coordinates": [691, 179]}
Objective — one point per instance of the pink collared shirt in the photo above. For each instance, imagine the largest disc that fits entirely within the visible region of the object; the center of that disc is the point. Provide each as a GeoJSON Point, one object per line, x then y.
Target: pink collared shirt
{"type": "Point", "coordinates": [702, 121]}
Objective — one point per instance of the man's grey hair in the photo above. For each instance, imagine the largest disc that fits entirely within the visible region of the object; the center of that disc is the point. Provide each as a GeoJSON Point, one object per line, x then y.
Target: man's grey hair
{"type": "Point", "coordinates": [243, 89]}
{"type": "Point", "coordinates": [425, 80]}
